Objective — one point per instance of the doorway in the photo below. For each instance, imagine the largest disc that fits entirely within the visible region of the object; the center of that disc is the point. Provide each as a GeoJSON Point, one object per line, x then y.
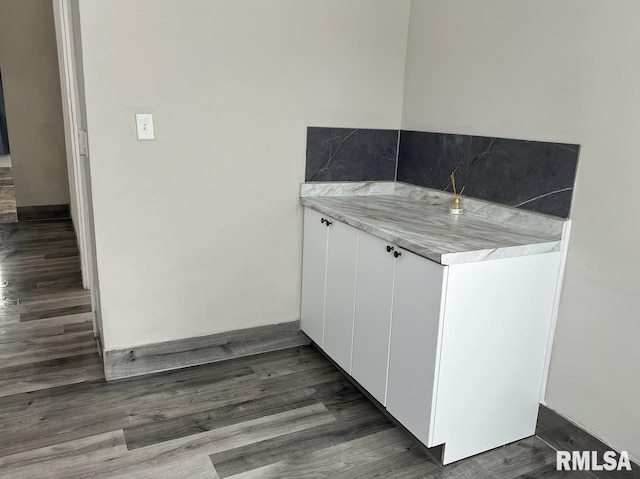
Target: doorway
{"type": "Point", "coordinates": [47, 312]}
{"type": "Point", "coordinates": [8, 210]}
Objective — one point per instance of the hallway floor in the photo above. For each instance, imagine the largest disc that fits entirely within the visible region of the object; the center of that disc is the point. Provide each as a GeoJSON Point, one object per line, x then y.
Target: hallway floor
{"type": "Point", "coordinates": [46, 333]}
{"type": "Point", "coordinates": [8, 210]}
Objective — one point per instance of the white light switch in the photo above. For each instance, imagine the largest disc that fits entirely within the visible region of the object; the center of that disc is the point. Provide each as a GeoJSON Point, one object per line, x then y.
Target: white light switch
{"type": "Point", "coordinates": [144, 126]}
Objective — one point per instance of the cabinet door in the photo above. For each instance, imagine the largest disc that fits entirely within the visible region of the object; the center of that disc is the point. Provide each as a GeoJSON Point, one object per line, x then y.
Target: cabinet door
{"type": "Point", "coordinates": [374, 293]}
{"type": "Point", "coordinates": [415, 331]}
{"type": "Point", "coordinates": [340, 293]}
{"type": "Point", "coordinates": [314, 269]}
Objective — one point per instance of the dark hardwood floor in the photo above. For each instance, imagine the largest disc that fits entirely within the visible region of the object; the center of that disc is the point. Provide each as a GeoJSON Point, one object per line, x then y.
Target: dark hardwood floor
{"type": "Point", "coordinates": [285, 414]}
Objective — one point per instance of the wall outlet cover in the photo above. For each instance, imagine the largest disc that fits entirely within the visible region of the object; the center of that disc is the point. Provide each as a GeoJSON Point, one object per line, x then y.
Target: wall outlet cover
{"type": "Point", "coordinates": [144, 126]}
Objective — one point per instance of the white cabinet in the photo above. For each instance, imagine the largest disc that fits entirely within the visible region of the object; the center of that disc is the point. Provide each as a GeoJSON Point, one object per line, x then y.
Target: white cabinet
{"type": "Point", "coordinates": [330, 252]}
{"type": "Point", "coordinates": [374, 296]}
{"type": "Point", "coordinates": [342, 255]}
{"type": "Point", "coordinates": [314, 272]}
{"type": "Point", "coordinates": [455, 353]}
{"type": "Point", "coordinates": [417, 314]}
{"type": "Point", "coordinates": [495, 330]}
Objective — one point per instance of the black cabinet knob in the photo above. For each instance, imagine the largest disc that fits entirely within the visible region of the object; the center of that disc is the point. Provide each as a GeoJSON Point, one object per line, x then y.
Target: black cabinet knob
{"type": "Point", "coordinates": [322, 220]}
{"type": "Point", "coordinates": [327, 222]}
{"type": "Point", "coordinates": [397, 253]}
{"type": "Point", "coordinates": [389, 249]}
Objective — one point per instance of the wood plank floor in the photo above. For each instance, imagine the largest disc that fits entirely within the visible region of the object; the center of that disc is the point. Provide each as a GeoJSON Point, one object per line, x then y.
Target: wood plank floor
{"type": "Point", "coordinates": [284, 414]}
{"type": "Point", "coordinates": [8, 210]}
{"type": "Point", "coordinates": [46, 334]}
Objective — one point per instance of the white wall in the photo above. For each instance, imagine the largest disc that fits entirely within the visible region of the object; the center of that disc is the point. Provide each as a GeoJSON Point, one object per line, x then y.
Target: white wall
{"type": "Point", "coordinates": [29, 64]}
{"type": "Point", "coordinates": [556, 71]}
{"type": "Point", "coordinates": [200, 231]}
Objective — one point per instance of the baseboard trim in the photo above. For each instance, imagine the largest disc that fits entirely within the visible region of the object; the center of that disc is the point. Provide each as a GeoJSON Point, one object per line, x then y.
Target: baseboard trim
{"type": "Point", "coordinates": [563, 434]}
{"type": "Point", "coordinates": [44, 212]}
{"type": "Point", "coordinates": [182, 353]}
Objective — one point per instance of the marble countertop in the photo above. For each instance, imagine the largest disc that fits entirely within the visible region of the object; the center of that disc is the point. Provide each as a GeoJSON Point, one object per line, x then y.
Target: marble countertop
{"type": "Point", "coordinates": [418, 220]}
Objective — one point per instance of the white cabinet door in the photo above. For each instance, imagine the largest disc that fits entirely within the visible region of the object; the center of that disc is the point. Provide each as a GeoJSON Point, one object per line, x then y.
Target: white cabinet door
{"type": "Point", "coordinates": [374, 294]}
{"type": "Point", "coordinates": [415, 330]}
{"type": "Point", "coordinates": [314, 269]}
{"type": "Point", "coordinates": [340, 293]}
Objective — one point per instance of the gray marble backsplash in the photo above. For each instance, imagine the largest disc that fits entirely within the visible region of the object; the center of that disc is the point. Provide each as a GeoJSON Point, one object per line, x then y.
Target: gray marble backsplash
{"type": "Point", "coordinates": [348, 154]}
{"type": "Point", "coordinates": [530, 175]}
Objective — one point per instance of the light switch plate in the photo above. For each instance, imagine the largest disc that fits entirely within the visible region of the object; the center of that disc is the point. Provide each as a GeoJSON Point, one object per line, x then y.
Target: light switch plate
{"type": "Point", "coordinates": [144, 126]}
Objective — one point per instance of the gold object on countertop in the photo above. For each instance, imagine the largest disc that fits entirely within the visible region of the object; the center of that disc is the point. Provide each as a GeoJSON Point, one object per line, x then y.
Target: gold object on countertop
{"type": "Point", "coordinates": [456, 207]}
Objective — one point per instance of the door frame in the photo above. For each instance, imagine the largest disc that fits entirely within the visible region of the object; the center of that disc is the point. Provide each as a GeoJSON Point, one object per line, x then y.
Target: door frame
{"type": "Point", "coordinates": [76, 148]}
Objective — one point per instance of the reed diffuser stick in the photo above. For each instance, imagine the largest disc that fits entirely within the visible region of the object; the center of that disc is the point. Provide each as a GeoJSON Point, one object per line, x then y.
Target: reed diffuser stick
{"type": "Point", "coordinates": [453, 182]}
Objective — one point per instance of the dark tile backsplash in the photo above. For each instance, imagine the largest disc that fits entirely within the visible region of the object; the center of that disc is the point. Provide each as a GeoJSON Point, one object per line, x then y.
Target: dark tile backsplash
{"type": "Point", "coordinates": [532, 175]}
{"type": "Point", "coordinates": [347, 154]}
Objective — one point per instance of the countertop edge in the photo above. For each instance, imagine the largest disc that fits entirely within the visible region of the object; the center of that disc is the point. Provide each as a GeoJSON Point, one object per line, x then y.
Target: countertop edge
{"type": "Point", "coordinates": [441, 258]}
